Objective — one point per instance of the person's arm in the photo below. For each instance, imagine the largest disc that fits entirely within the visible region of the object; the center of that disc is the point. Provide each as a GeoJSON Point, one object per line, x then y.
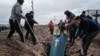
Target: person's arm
{"type": "Point", "coordinates": [35, 22]}
{"type": "Point", "coordinates": [49, 25]}
{"type": "Point", "coordinates": [78, 32]}
{"type": "Point", "coordinates": [19, 12]}
{"type": "Point", "coordinates": [83, 30]}
{"type": "Point", "coordinates": [26, 15]}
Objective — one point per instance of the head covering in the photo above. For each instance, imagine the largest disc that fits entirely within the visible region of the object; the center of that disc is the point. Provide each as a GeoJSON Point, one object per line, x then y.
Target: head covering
{"type": "Point", "coordinates": [83, 12]}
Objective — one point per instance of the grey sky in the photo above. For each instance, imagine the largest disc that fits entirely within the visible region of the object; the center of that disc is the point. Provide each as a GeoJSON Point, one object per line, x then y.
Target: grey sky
{"type": "Point", "coordinates": [45, 10]}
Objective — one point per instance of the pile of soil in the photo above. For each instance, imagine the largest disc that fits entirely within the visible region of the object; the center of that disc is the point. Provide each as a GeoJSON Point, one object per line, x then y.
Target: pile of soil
{"type": "Point", "coordinates": [14, 47]}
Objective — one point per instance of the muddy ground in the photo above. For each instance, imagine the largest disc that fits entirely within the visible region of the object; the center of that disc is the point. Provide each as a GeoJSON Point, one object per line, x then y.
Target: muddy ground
{"type": "Point", "coordinates": [14, 47]}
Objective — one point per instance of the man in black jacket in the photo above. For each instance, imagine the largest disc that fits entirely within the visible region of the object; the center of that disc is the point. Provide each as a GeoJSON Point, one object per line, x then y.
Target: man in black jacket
{"type": "Point", "coordinates": [88, 29]}
{"type": "Point", "coordinates": [29, 27]}
{"type": "Point", "coordinates": [61, 26]}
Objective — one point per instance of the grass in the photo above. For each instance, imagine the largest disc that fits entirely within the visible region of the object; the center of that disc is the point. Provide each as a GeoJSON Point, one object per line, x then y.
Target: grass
{"type": "Point", "coordinates": [4, 32]}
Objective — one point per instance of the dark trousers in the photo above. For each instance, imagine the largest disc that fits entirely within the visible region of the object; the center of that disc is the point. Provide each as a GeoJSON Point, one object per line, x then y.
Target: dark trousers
{"type": "Point", "coordinates": [87, 39]}
{"type": "Point", "coordinates": [30, 30]}
{"type": "Point", "coordinates": [72, 36]}
{"type": "Point", "coordinates": [14, 26]}
{"type": "Point", "coordinates": [51, 31]}
{"type": "Point", "coordinates": [72, 31]}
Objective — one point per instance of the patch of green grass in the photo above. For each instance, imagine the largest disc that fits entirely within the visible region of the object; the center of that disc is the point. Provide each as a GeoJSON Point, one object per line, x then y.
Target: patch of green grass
{"type": "Point", "coordinates": [4, 32]}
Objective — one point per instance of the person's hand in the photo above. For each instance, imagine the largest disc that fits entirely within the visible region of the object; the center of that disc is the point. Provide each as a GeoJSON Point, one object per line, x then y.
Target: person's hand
{"type": "Point", "coordinates": [24, 17]}
{"type": "Point", "coordinates": [66, 25]}
{"type": "Point", "coordinates": [37, 23]}
{"type": "Point", "coordinates": [26, 20]}
{"type": "Point", "coordinates": [77, 39]}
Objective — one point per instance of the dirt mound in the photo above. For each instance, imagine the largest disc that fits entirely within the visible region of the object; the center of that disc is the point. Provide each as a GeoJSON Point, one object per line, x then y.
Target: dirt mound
{"type": "Point", "coordinates": [14, 47]}
{"type": "Point", "coordinates": [94, 49]}
{"type": "Point", "coordinates": [11, 47]}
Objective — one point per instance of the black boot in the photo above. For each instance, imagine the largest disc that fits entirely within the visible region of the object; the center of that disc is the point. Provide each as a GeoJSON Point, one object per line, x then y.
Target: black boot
{"type": "Point", "coordinates": [34, 41]}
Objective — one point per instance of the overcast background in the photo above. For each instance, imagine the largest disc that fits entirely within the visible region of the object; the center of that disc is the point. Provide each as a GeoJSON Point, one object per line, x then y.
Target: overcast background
{"type": "Point", "coordinates": [46, 10]}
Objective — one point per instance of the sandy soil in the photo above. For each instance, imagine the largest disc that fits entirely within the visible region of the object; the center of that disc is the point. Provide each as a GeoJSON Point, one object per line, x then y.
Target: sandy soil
{"type": "Point", "coordinates": [14, 47]}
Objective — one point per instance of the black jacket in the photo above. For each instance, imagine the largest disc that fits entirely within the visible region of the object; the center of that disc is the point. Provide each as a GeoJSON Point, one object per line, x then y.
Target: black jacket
{"type": "Point", "coordinates": [31, 21]}
{"type": "Point", "coordinates": [85, 26]}
{"type": "Point", "coordinates": [61, 26]}
{"type": "Point", "coordinates": [87, 17]}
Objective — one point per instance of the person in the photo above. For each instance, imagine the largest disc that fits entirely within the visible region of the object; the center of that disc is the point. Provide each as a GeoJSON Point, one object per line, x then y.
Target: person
{"type": "Point", "coordinates": [29, 27]}
{"type": "Point", "coordinates": [69, 16]}
{"type": "Point", "coordinates": [71, 27]}
{"type": "Point", "coordinates": [83, 15]}
{"type": "Point", "coordinates": [15, 19]}
{"type": "Point", "coordinates": [51, 27]}
{"type": "Point", "coordinates": [66, 22]}
{"type": "Point", "coordinates": [61, 26]}
{"type": "Point", "coordinates": [0, 28]}
{"type": "Point", "coordinates": [88, 16]}
{"type": "Point", "coordinates": [87, 31]}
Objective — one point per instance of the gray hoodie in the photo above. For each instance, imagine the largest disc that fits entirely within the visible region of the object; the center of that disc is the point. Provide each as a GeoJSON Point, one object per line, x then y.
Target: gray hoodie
{"type": "Point", "coordinates": [16, 13]}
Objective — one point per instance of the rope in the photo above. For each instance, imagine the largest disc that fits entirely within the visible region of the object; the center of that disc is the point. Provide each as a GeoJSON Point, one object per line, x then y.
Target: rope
{"type": "Point", "coordinates": [36, 38]}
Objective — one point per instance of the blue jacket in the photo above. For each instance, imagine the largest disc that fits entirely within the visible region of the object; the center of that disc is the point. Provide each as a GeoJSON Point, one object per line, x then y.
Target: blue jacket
{"type": "Point", "coordinates": [85, 26]}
